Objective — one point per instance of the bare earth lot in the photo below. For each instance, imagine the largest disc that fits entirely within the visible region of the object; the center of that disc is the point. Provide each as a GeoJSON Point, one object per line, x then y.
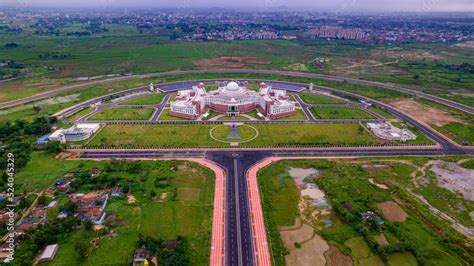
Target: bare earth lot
{"type": "Point", "coordinates": [392, 211]}
{"type": "Point", "coordinates": [426, 113]}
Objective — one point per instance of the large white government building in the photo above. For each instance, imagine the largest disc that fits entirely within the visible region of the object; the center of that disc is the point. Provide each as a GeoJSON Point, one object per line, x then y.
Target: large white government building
{"type": "Point", "coordinates": [232, 99]}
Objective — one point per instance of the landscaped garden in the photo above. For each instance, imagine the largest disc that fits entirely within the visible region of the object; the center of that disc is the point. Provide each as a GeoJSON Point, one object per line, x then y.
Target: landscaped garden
{"type": "Point", "coordinates": [270, 135]}
{"type": "Point", "coordinates": [149, 99]}
{"type": "Point", "coordinates": [340, 113]}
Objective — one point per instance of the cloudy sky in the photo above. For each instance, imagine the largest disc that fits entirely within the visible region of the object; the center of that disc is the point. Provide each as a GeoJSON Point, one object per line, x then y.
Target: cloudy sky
{"type": "Point", "coordinates": [326, 5]}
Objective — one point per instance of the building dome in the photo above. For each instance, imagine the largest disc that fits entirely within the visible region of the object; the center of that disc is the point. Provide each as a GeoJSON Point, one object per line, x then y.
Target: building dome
{"type": "Point", "coordinates": [232, 86]}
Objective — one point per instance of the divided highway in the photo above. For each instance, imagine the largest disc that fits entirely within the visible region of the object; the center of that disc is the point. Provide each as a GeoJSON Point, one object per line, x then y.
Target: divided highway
{"type": "Point", "coordinates": [430, 97]}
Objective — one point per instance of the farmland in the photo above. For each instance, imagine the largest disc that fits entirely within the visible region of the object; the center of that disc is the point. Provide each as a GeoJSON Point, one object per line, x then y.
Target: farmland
{"type": "Point", "coordinates": [180, 214]}
{"type": "Point", "coordinates": [345, 183]}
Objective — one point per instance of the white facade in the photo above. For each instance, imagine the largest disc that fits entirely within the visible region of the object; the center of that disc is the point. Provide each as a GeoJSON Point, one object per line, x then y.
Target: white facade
{"type": "Point", "coordinates": [77, 132]}
{"type": "Point", "coordinates": [389, 132]}
{"type": "Point", "coordinates": [194, 101]}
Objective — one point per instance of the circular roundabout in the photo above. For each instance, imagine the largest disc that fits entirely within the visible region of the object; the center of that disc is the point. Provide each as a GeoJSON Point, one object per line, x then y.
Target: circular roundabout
{"type": "Point", "coordinates": [233, 133]}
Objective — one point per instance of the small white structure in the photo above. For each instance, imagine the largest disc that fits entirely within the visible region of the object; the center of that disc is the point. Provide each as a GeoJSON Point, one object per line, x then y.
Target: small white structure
{"type": "Point", "coordinates": [389, 132]}
{"type": "Point", "coordinates": [311, 85]}
{"type": "Point", "coordinates": [49, 253]}
{"type": "Point", "coordinates": [77, 132]}
{"type": "Point", "coordinates": [152, 88]}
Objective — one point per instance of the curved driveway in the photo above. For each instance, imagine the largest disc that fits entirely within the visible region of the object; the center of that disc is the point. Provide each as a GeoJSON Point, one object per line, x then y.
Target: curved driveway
{"type": "Point", "coordinates": [437, 99]}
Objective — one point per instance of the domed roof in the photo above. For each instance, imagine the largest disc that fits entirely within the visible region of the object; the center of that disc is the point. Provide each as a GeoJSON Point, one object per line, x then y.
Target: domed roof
{"type": "Point", "coordinates": [232, 86]}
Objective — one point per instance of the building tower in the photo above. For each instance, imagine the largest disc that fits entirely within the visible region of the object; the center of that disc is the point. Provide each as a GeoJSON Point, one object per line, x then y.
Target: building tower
{"type": "Point", "coordinates": [152, 88]}
{"type": "Point", "coordinates": [311, 86]}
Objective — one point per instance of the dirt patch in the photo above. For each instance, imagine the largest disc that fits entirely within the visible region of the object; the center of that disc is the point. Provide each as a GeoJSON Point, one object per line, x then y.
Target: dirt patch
{"type": "Point", "coordinates": [392, 211]}
{"type": "Point", "coordinates": [381, 240]}
{"type": "Point", "coordinates": [295, 226]}
{"type": "Point", "coordinates": [290, 237]}
{"type": "Point", "coordinates": [455, 178]}
{"type": "Point", "coordinates": [131, 199]}
{"type": "Point", "coordinates": [310, 253]}
{"type": "Point", "coordinates": [334, 257]}
{"type": "Point", "coordinates": [191, 194]}
{"type": "Point", "coordinates": [411, 55]}
{"type": "Point", "coordinates": [379, 185]}
{"type": "Point", "coordinates": [183, 167]}
{"type": "Point", "coordinates": [231, 61]}
{"type": "Point", "coordinates": [425, 113]}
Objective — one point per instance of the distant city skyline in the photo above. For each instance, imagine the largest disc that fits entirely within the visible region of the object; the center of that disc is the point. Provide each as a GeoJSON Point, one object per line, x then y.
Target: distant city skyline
{"type": "Point", "coordinates": [322, 5]}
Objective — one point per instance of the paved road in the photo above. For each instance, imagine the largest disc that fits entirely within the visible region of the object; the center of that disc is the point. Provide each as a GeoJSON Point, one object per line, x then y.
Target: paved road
{"type": "Point", "coordinates": [437, 99]}
{"type": "Point", "coordinates": [239, 235]}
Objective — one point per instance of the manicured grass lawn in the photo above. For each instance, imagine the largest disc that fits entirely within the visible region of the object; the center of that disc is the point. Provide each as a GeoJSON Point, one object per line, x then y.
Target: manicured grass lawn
{"type": "Point", "coordinates": [238, 118]}
{"type": "Point", "coordinates": [221, 133]}
{"type": "Point", "coordinates": [381, 112]}
{"type": "Point", "coordinates": [80, 114]}
{"type": "Point", "coordinates": [154, 98]}
{"type": "Point", "coordinates": [340, 113]}
{"type": "Point", "coordinates": [165, 115]}
{"type": "Point", "coordinates": [124, 114]}
{"type": "Point", "coordinates": [300, 115]}
{"type": "Point", "coordinates": [270, 135]}
{"type": "Point", "coordinates": [311, 98]}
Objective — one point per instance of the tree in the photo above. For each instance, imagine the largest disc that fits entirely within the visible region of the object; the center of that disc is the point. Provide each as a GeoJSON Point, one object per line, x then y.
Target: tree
{"type": "Point", "coordinates": [82, 247]}
{"type": "Point", "coordinates": [152, 194]}
{"type": "Point", "coordinates": [88, 225]}
{"type": "Point", "coordinates": [42, 200]}
{"type": "Point", "coordinates": [54, 147]}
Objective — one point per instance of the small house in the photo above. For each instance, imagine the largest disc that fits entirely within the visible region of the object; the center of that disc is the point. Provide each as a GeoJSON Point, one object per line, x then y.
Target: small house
{"type": "Point", "coordinates": [49, 253]}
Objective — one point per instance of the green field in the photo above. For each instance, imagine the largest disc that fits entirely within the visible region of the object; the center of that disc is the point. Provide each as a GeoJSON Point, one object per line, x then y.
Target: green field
{"type": "Point", "coordinates": [311, 98]}
{"type": "Point", "coordinates": [346, 181]}
{"type": "Point", "coordinates": [186, 211]}
{"type": "Point", "coordinates": [340, 113]}
{"type": "Point", "coordinates": [155, 98]}
{"type": "Point", "coordinates": [124, 114]}
{"type": "Point", "coordinates": [129, 52]}
{"type": "Point", "coordinates": [270, 135]}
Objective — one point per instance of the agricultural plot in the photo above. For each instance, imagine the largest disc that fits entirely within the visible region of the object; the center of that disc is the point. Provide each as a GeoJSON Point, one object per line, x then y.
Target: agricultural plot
{"type": "Point", "coordinates": [345, 183]}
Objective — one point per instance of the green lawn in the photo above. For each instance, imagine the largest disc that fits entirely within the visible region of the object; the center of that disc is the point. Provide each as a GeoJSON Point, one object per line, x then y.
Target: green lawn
{"type": "Point", "coordinates": [80, 114]}
{"type": "Point", "coordinates": [42, 171]}
{"type": "Point", "coordinates": [339, 113]}
{"type": "Point", "coordinates": [381, 112]}
{"type": "Point", "coordinates": [221, 132]}
{"type": "Point", "coordinates": [154, 98]}
{"type": "Point", "coordinates": [346, 181]}
{"type": "Point", "coordinates": [124, 114]}
{"type": "Point", "coordinates": [167, 219]}
{"type": "Point", "coordinates": [270, 135]}
{"type": "Point", "coordinates": [312, 98]}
